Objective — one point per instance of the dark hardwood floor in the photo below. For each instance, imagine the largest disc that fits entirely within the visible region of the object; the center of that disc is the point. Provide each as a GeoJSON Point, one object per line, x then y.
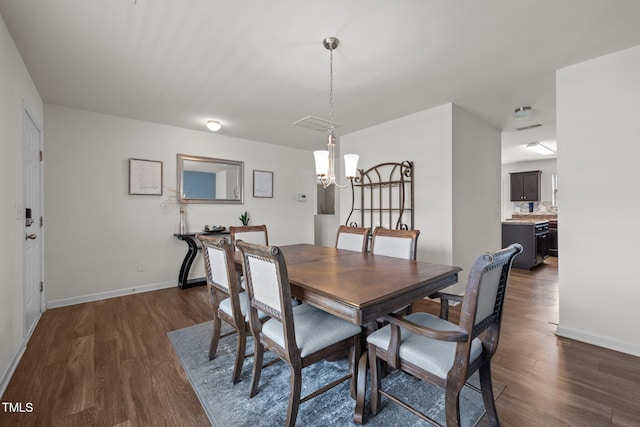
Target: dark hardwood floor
{"type": "Point", "coordinates": [110, 363]}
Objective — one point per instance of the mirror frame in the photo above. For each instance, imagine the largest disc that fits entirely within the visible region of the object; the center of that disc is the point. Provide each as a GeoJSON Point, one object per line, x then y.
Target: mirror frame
{"type": "Point", "coordinates": [179, 183]}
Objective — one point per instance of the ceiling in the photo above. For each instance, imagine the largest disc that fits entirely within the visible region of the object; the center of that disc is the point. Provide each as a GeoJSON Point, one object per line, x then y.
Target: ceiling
{"type": "Point", "coordinates": [258, 66]}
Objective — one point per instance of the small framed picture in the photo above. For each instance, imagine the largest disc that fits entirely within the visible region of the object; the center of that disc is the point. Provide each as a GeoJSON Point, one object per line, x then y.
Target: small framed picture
{"type": "Point", "coordinates": [262, 184]}
{"type": "Point", "coordinates": [145, 177]}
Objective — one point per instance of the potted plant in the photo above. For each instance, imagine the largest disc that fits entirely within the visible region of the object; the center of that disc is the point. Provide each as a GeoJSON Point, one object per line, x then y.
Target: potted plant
{"type": "Point", "coordinates": [244, 218]}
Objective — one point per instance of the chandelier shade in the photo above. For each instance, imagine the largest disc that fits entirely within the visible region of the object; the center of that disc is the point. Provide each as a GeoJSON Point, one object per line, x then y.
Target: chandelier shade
{"type": "Point", "coordinates": [322, 162]}
{"type": "Point", "coordinates": [350, 165]}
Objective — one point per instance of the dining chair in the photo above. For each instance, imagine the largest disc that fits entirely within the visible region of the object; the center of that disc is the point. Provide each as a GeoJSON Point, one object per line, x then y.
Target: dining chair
{"type": "Point", "coordinates": [227, 299]}
{"type": "Point", "coordinates": [300, 335]}
{"type": "Point", "coordinates": [353, 238]}
{"type": "Point", "coordinates": [395, 243]}
{"type": "Point", "coordinates": [249, 233]}
{"type": "Point", "coordinates": [445, 354]}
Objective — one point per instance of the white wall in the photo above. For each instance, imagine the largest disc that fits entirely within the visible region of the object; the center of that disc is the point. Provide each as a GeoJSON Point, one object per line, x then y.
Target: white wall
{"type": "Point", "coordinates": [425, 139]}
{"type": "Point", "coordinates": [548, 167]}
{"type": "Point", "coordinates": [476, 190]}
{"type": "Point", "coordinates": [16, 91]}
{"type": "Point", "coordinates": [97, 233]}
{"type": "Point", "coordinates": [598, 156]}
{"type": "Point", "coordinates": [457, 180]}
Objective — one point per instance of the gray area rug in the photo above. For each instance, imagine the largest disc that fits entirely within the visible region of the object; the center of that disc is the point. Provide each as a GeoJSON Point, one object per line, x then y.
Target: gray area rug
{"type": "Point", "coordinates": [228, 405]}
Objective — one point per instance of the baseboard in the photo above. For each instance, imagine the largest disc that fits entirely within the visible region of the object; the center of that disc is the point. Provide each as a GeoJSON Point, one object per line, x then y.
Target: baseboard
{"type": "Point", "coordinates": [109, 294]}
{"type": "Point", "coordinates": [599, 340]}
{"type": "Point", "coordinates": [13, 364]}
{"type": "Point", "coordinates": [8, 373]}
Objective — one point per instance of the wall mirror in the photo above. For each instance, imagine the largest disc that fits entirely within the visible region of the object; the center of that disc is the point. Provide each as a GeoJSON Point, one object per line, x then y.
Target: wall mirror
{"type": "Point", "coordinates": [209, 180]}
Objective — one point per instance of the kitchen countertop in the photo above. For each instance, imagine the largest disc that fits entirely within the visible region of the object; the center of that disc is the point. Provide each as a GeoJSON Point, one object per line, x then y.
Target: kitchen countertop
{"type": "Point", "coordinates": [536, 216]}
{"type": "Point", "coordinates": [520, 221]}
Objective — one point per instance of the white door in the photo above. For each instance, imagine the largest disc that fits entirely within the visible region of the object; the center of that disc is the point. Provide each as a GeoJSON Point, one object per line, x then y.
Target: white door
{"type": "Point", "coordinates": [32, 223]}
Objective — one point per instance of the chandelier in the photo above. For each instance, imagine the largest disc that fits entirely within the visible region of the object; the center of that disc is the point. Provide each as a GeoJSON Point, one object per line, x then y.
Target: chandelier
{"type": "Point", "coordinates": [325, 159]}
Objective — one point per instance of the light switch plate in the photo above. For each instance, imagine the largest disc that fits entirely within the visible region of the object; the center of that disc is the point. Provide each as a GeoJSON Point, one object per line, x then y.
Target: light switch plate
{"type": "Point", "coordinates": [302, 197]}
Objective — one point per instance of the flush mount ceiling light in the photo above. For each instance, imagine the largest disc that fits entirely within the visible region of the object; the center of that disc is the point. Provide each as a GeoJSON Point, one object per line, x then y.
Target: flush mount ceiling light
{"type": "Point", "coordinates": [325, 159]}
{"type": "Point", "coordinates": [540, 149]}
{"type": "Point", "coordinates": [213, 125]}
{"type": "Point", "coordinates": [522, 112]}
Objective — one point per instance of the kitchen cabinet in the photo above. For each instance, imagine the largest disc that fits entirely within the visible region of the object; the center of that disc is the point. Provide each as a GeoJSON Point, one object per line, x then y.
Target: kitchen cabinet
{"type": "Point", "coordinates": [534, 238]}
{"type": "Point", "coordinates": [525, 186]}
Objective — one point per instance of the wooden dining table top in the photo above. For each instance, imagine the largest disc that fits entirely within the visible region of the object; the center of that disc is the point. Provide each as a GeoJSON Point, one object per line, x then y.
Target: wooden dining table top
{"type": "Point", "coordinates": [359, 287]}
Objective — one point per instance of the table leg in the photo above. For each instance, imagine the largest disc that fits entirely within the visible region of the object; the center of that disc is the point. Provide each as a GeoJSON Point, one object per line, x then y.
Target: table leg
{"type": "Point", "coordinates": [186, 263]}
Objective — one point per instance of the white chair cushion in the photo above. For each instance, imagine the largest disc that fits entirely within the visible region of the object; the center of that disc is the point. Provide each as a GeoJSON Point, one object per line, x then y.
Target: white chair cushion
{"type": "Point", "coordinates": [257, 237]}
{"type": "Point", "coordinates": [431, 355]}
{"type": "Point", "coordinates": [315, 329]}
{"type": "Point", "coordinates": [218, 265]}
{"type": "Point", "coordinates": [397, 247]}
{"type": "Point", "coordinates": [225, 306]}
{"type": "Point", "coordinates": [488, 291]}
{"type": "Point", "coordinates": [350, 241]}
{"type": "Point", "coordinates": [265, 281]}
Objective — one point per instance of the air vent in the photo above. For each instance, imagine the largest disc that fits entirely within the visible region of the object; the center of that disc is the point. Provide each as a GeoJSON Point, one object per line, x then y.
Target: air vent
{"type": "Point", "coordinates": [314, 123]}
{"type": "Point", "coordinates": [529, 127]}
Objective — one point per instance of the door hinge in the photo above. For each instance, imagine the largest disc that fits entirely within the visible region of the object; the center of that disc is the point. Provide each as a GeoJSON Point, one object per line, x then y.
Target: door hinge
{"type": "Point", "coordinates": [41, 155]}
{"type": "Point", "coordinates": [41, 221]}
{"type": "Point", "coordinates": [41, 286]}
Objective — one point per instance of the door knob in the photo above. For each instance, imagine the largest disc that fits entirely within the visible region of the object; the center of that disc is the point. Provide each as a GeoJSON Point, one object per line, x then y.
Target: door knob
{"type": "Point", "coordinates": [30, 236]}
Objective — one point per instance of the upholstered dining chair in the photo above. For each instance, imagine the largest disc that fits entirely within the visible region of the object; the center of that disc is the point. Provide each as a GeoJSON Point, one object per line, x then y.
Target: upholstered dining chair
{"type": "Point", "coordinates": [353, 238]}
{"type": "Point", "coordinates": [300, 335]}
{"type": "Point", "coordinates": [249, 233]}
{"type": "Point", "coordinates": [228, 301]}
{"type": "Point", "coordinates": [442, 353]}
{"type": "Point", "coordinates": [395, 243]}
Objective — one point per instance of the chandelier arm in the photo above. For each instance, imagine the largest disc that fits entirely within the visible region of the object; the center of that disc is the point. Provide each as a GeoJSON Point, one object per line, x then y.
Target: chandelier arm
{"type": "Point", "coordinates": [342, 186]}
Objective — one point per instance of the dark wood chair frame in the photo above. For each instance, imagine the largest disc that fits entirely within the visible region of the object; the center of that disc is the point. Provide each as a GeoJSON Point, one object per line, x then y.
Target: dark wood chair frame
{"type": "Point", "coordinates": [290, 353]}
{"type": "Point", "coordinates": [364, 231]}
{"type": "Point", "coordinates": [469, 328]}
{"type": "Point", "coordinates": [233, 230]}
{"type": "Point", "coordinates": [402, 234]}
{"type": "Point", "coordinates": [217, 292]}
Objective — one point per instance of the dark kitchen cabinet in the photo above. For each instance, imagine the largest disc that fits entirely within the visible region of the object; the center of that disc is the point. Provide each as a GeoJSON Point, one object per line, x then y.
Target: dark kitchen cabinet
{"type": "Point", "coordinates": [525, 186]}
{"type": "Point", "coordinates": [534, 238]}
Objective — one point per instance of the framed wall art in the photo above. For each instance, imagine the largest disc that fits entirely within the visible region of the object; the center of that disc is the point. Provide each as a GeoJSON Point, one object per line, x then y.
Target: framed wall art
{"type": "Point", "coordinates": [145, 177]}
{"type": "Point", "coordinates": [262, 184]}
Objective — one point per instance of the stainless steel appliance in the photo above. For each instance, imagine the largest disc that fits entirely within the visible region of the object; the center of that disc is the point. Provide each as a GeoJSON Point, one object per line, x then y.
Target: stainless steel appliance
{"type": "Point", "coordinates": [553, 237]}
{"type": "Point", "coordinates": [542, 241]}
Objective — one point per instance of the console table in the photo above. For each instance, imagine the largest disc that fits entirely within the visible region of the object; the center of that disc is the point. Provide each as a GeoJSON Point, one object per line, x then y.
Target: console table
{"type": "Point", "coordinates": [190, 239]}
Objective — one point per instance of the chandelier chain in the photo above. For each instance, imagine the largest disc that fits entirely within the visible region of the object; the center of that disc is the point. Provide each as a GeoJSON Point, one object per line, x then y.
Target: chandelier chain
{"type": "Point", "coordinates": [331, 126]}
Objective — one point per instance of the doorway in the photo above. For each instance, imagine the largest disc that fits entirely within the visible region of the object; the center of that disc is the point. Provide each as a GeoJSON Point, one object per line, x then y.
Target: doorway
{"type": "Point", "coordinates": [33, 242]}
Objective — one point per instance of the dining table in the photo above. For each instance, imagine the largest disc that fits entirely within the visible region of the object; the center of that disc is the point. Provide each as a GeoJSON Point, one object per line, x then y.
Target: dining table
{"type": "Point", "coordinates": [359, 288]}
